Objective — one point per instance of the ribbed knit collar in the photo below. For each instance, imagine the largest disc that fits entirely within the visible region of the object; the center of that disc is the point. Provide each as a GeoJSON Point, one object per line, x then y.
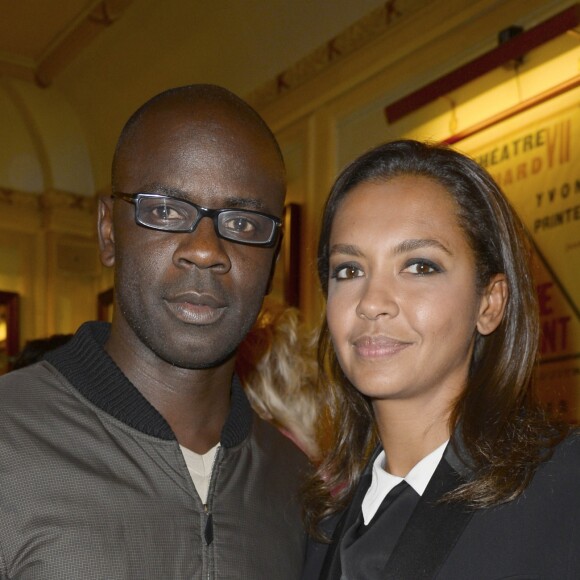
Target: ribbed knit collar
{"type": "Point", "coordinates": [85, 364]}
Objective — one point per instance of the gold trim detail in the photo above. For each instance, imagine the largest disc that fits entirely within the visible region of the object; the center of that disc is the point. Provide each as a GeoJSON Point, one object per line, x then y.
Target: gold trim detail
{"type": "Point", "coordinates": [364, 31]}
{"type": "Point", "coordinates": [48, 200]}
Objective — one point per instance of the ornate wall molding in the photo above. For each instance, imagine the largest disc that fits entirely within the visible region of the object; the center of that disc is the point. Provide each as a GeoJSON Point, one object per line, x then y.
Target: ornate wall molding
{"type": "Point", "coordinates": [367, 29]}
{"type": "Point", "coordinates": [10, 197]}
{"type": "Point", "coordinates": [76, 35]}
{"type": "Point", "coordinates": [54, 199]}
{"type": "Point", "coordinates": [49, 200]}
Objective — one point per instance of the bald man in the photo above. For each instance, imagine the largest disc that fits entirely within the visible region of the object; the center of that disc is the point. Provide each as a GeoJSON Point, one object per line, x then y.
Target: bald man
{"type": "Point", "coordinates": [132, 452]}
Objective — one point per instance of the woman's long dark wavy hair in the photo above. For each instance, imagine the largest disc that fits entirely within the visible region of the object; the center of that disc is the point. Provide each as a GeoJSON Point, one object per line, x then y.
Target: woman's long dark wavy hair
{"type": "Point", "coordinates": [504, 433]}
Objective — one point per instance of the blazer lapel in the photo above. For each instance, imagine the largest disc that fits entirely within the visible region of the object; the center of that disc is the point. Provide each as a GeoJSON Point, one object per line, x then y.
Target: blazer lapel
{"type": "Point", "coordinates": [331, 569]}
{"type": "Point", "coordinates": [433, 528]}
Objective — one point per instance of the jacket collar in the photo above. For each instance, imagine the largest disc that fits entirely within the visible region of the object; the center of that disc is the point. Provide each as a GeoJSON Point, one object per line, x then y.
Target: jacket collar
{"type": "Point", "coordinates": [434, 526]}
{"type": "Point", "coordinates": [93, 373]}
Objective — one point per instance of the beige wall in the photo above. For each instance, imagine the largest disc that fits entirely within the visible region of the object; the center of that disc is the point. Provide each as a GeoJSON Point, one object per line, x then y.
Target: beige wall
{"type": "Point", "coordinates": [332, 110]}
{"type": "Point", "coordinates": [48, 255]}
{"type": "Point", "coordinates": [339, 113]}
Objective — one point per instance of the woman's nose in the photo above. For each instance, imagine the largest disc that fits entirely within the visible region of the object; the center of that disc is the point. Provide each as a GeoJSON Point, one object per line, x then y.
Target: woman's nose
{"type": "Point", "coordinates": [377, 299]}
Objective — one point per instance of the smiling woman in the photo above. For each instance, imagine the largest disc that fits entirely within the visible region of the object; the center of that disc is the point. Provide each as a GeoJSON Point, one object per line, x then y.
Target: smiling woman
{"type": "Point", "coordinates": [427, 355]}
{"type": "Point", "coordinates": [399, 284]}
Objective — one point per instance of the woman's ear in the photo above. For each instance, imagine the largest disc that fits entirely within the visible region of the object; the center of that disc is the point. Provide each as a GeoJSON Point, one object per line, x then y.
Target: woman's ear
{"type": "Point", "coordinates": [493, 303]}
{"type": "Point", "coordinates": [105, 231]}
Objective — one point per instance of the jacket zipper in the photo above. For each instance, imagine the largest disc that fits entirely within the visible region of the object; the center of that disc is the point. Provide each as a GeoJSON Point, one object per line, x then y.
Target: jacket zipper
{"type": "Point", "coordinates": [208, 531]}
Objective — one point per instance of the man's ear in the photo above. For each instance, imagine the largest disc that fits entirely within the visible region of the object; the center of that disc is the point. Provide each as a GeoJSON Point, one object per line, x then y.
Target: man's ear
{"type": "Point", "coordinates": [493, 304]}
{"type": "Point", "coordinates": [105, 231]}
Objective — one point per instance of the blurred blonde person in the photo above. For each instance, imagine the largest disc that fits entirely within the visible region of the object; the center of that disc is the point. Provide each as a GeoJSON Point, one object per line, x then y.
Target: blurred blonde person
{"type": "Point", "coordinates": [277, 366]}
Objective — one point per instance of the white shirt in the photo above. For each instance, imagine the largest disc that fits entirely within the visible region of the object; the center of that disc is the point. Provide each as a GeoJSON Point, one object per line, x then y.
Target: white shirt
{"type": "Point", "coordinates": [383, 482]}
{"type": "Point", "coordinates": [200, 468]}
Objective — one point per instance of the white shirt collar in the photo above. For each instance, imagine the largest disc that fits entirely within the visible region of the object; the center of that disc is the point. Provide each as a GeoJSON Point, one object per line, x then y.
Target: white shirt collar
{"type": "Point", "coordinates": [383, 482]}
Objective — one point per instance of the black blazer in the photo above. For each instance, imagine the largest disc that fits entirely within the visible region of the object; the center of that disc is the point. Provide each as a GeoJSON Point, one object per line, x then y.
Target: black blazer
{"type": "Point", "coordinates": [536, 536]}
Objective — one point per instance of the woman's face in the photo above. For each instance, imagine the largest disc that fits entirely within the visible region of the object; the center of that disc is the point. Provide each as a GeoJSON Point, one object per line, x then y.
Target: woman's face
{"type": "Point", "coordinates": [403, 307]}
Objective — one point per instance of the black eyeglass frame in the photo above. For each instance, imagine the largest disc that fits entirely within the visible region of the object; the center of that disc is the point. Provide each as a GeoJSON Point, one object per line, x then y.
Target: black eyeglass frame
{"type": "Point", "coordinates": [202, 212]}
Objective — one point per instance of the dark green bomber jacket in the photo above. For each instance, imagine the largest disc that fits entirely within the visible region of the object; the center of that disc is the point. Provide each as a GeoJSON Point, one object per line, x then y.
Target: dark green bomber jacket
{"type": "Point", "coordinates": [93, 483]}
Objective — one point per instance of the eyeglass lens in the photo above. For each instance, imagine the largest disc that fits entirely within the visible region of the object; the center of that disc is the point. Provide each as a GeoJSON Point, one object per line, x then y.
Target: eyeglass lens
{"type": "Point", "coordinates": [175, 215]}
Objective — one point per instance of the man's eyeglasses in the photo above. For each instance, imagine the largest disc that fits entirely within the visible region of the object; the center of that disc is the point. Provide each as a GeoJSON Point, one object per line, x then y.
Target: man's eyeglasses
{"type": "Point", "coordinates": [169, 214]}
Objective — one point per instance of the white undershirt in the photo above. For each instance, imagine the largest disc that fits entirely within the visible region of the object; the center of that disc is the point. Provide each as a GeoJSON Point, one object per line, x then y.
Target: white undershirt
{"type": "Point", "coordinates": [200, 468]}
{"type": "Point", "coordinates": [383, 482]}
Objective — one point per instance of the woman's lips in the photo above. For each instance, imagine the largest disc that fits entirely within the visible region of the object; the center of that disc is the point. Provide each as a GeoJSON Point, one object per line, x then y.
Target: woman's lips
{"type": "Point", "coordinates": [378, 346]}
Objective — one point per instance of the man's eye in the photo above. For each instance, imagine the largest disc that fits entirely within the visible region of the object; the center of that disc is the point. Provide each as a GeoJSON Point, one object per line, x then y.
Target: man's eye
{"type": "Point", "coordinates": [240, 225]}
{"type": "Point", "coordinates": [422, 268]}
{"type": "Point", "coordinates": [347, 272]}
{"type": "Point", "coordinates": [164, 212]}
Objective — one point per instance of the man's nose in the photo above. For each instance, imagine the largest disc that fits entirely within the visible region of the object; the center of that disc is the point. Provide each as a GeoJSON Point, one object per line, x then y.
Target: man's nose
{"type": "Point", "coordinates": [202, 248]}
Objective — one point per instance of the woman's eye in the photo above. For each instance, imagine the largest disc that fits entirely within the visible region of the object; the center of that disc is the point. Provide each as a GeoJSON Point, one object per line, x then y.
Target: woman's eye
{"type": "Point", "coordinates": [422, 268]}
{"type": "Point", "coordinates": [347, 272]}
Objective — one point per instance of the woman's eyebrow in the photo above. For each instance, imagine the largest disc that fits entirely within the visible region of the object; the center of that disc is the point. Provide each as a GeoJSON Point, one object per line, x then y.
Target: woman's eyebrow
{"type": "Point", "coordinates": [402, 248]}
{"type": "Point", "coordinates": [347, 249]}
{"type": "Point", "coordinates": [418, 244]}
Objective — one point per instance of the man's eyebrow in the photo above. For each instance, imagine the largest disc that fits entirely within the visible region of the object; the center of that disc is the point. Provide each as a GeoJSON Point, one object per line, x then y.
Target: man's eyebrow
{"type": "Point", "coordinates": [245, 203]}
{"type": "Point", "coordinates": [233, 202]}
{"type": "Point", "coordinates": [418, 244]}
{"type": "Point", "coordinates": [161, 189]}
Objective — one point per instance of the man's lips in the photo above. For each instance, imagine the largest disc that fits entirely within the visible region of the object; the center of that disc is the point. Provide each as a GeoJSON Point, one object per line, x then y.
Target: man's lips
{"type": "Point", "coordinates": [378, 346]}
{"type": "Point", "coordinates": [196, 308]}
